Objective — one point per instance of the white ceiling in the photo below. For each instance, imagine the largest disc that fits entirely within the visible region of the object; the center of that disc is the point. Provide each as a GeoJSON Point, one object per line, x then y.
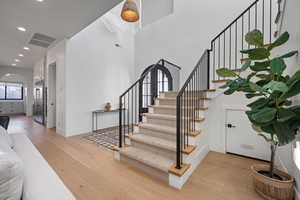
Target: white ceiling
{"type": "Point", "coordinates": [55, 18]}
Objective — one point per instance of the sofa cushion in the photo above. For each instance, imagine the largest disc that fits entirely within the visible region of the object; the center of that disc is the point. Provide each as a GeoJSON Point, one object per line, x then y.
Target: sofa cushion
{"type": "Point", "coordinates": [5, 136]}
{"type": "Point", "coordinates": [40, 180]}
{"type": "Point", "coordinates": [11, 172]}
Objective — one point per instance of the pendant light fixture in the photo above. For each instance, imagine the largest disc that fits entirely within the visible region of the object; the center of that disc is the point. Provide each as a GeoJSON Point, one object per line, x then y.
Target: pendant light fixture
{"type": "Point", "coordinates": [130, 12]}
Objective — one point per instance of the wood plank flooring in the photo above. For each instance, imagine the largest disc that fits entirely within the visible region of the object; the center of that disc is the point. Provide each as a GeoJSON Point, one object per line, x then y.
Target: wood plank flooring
{"type": "Point", "coordinates": [91, 173]}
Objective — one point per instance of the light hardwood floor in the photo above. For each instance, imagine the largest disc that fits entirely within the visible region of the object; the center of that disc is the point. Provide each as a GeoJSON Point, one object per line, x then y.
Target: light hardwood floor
{"type": "Point", "coordinates": [91, 173]}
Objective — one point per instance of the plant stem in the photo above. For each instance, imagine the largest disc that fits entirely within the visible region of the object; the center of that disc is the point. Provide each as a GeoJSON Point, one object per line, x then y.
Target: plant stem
{"type": "Point", "coordinates": [273, 151]}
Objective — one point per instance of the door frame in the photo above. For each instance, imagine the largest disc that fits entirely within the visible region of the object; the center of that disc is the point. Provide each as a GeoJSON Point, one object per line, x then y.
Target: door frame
{"type": "Point", "coordinates": [153, 86]}
{"type": "Point", "coordinates": [51, 123]}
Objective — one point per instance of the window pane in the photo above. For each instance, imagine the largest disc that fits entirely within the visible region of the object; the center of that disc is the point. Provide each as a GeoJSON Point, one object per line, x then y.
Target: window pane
{"type": "Point", "coordinates": [13, 91]}
{"type": "Point", "coordinates": [2, 90]}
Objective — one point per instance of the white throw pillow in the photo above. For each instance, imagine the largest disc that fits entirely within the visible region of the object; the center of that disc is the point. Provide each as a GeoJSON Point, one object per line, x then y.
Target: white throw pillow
{"type": "Point", "coordinates": [5, 136]}
{"type": "Point", "coordinates": [11, 173]}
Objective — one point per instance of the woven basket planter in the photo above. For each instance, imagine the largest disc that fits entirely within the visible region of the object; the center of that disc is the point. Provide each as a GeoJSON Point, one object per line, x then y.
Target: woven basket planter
{"type": "Point", "coordinates": [272, 189]}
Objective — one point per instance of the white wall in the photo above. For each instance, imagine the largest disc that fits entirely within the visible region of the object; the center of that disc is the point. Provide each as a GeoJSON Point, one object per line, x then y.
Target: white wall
{"type": "Point", "coordinates": [153, 10]}
{"type": "Point", "coordinates": [97, 72]}
{"type": "Point", "coordinates": [183, 36]}
{"type": "Point", "coordinates": [291, 24]}
{"type": "Point", "coordinates": [20, 75]}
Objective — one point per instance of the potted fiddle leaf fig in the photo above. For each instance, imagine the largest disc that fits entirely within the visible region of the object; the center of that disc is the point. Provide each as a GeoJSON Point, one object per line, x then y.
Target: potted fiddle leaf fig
{"type": "Point", "coordinates": [272, 112]}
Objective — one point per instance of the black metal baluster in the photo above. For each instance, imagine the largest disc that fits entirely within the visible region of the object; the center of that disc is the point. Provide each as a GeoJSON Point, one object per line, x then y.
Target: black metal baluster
{"type": "Point", "coordinates": [236, 40]}
{"type": "Point", "coordinates": [120, 121]}
{"type": "Point", "coordinates": [242, 35]}
{"type": "Point", "coordinates": [224, 47]}
{"type": "Point", "coordinates": [132, 113]}
{"type": "Point", "coordinates": [178, 137]}
{"type": "Point", "coordinates": [256, 16]}
{"type": "Point", "coordinates": [214, 60]}
{"type": "Point", "coordinates": [270, 21]}
{"type": "Point", "coordinates": [230, 47]}
{"type": "Point", "coordinates": [249, 21]}
{"type": "Point", "coordinates": [263, 18]}
{"type": "Point", "coordinates": [219, 51]}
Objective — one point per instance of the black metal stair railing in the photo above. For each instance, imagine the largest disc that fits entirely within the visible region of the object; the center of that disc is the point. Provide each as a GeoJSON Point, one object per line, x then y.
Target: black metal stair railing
{"type": "Point", "coordinates": [130, 109]}
{"type": "Point", "coordinates": [224, 52]}
{"type": "Point", "coordinates": [187, 104]}
{"type": "Point", "coordinates": [226, 46]}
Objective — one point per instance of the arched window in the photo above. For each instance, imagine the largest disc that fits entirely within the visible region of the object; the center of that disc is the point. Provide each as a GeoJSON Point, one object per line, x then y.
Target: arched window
{"type": "Point", "coordinates": [156, 81]}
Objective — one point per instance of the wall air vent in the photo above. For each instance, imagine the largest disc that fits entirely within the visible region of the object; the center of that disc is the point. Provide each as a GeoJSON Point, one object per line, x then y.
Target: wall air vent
{"type": "Point", "coordinates": [41, 40]}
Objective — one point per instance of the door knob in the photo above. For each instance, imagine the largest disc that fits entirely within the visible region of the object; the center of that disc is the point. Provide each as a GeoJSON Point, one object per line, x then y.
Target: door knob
{"type": "Point", "coordinates": [230, 126]}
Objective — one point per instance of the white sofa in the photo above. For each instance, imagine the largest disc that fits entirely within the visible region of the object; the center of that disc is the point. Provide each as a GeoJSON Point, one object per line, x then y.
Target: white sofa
{"type": "Point", "coordinates": [40, 180]}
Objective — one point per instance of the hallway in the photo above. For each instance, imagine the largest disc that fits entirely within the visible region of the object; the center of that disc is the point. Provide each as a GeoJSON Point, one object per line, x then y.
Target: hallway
{"type": "Point", "coordinates": [91, 173]}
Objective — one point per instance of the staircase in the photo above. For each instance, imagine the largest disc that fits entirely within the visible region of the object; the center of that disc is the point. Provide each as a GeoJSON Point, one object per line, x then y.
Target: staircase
{"type": "Point", "coordinates": [171, 139]}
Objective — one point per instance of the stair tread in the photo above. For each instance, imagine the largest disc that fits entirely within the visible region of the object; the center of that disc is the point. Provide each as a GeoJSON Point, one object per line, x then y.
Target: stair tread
{"type": "Point", "coordinates": [155, 141]}
{"type": "Point", "coordinates": [149, 158]}
{"type": "Point", "coordinates": [159, 128]}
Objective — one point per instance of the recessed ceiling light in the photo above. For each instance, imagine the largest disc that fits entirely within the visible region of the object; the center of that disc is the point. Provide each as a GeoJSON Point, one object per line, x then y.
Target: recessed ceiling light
{"type": "Point", "coordinates": [39, 0]}
{"type": "Point", "coordinates": [14, 64]}
{"type": "Point", "coordinates": [8, 74]}
{"type": "Point", "coordinates": [21, 29]}
{"type": "Point", "coordinates": [17, 60]}
{"type": "Point", "coordinates": [21, 55]}
{"type": "Point", "coordinates": [26, 48]}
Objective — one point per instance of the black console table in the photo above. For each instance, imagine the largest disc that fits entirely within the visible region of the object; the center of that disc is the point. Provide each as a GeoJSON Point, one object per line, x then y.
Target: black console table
{"type": "Point", "coordinates": [95, 117]}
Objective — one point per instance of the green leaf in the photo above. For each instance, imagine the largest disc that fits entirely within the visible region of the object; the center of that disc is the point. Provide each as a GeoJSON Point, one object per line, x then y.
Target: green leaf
{"type": "Point", "coordinates": [284, 115]}
{"type": "Point", "coordinates": [276, 86]}
{"type": "Point", "coordinates": [293, 90]}
{"type": "Point", "coordinates": [280, 41]}
{"type": "Point", "coordinates": [262, 64]}
{"type": "Point", "coordinates": [284, 133]}
{"type": "Point", "coordinates": [264, 76]}
{"type": "Point", "coordinates": [255, 37]}
{"type": "Point", "coordinates": [257, 53]}
{"type": "Point", "coordinates": [251, 95]}
{"type": "Point", "coordinates": [264, 115]}
{"type": "Point", "coordinates": [259, 103]}
{"type": "Point", "coordinates": [278, 66]}
{"type": "Point", "coordinates": [290, 54]}
{"type": "Point", "coordinates": [256, 87]}
{"type": "Point", "coordinates": [250, 76]}
{"type": "Point", "coordinates": [246, 65]}
{"type": "Point", "coordinates": [295, 77]}
{"type": "Point", "coordinates": [258, 68]}
{"type": "Point", "coordinates": [268, 129]}
{"type": "Point", "coordinates": [224, 72]}
{"type": "Point", "coordinates": [230, 91]}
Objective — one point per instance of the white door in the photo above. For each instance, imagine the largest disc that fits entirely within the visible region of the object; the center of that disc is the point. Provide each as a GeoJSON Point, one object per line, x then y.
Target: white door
{"type": "Point", "coordinates": [241, 139]}
{"type": "Point", "coordinates": [51, 96]}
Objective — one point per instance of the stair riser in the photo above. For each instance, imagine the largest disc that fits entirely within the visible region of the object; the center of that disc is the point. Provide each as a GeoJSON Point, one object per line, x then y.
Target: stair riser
{"type": "Point", "coordinates": [154, 133]}
{"type": "Point", "coordinates": [162, 152]}
{"type": "Point", "coordinates": [172, 102]}
{"type": "Point", "coordinates": [165, 111]}
{"type": "Point", "coordinates": [161, 175]}
{"type": "Point", "coordinates": [167, 102]}
{"type": "Point", "coordinates": [157, 121]}
{"type": "Point", "coordinates": [168, 95]}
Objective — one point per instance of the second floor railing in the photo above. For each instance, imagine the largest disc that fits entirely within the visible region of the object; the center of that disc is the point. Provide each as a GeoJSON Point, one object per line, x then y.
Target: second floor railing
{"type": "Point", "coordinates": [226, 46]}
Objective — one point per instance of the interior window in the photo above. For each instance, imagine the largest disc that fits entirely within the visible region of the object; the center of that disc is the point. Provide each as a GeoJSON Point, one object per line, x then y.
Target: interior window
{"type": "Point", "coordinates": [2, 90]}
{"type": "Point", "coordinates": [11, 91]}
